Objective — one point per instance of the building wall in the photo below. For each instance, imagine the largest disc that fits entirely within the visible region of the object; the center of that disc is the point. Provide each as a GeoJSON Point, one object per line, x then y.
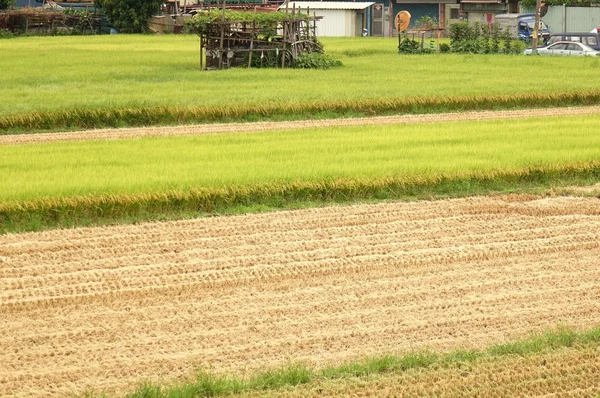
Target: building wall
{"type": "Point", "coordinates": [335, 23]}
{"type": "Point", "coordinates": [570, 19]}
{"type": "Point", "coordinates": [416, 10]}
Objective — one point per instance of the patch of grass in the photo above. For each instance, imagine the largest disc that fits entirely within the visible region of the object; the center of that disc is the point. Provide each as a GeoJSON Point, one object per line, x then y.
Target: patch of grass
{"type": "Point", "coordinates": [209, 384]}
{"type": "Point", "coordinates": [562, 337]}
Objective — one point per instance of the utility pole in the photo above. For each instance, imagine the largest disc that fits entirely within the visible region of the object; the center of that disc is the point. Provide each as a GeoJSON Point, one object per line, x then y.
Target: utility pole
{"type": "Point", "coordinates": [534, 41]}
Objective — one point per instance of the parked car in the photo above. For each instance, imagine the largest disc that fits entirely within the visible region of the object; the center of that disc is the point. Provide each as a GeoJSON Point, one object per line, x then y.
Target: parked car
{"type": "Point", "coordinates": [566, 48]}
{"type": "Point", "coordinates": [587, 38]}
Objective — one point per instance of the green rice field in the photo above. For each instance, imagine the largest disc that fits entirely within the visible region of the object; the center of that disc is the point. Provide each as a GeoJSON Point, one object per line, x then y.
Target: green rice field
{"type": "Point", "coordinates": [96, 181]}
{"type": "Point", "coordinates": [60, 76]}
{"type": "Point", "coordinates": [408, 152]}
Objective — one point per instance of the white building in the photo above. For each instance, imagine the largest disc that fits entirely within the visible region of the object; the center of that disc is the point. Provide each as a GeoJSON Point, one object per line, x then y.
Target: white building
{"type": "Point", "coordinates": [340, 18]}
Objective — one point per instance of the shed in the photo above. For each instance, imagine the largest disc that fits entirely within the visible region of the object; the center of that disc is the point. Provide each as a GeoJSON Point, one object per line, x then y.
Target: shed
{"type": "Point", "coordinates": [340, 18]}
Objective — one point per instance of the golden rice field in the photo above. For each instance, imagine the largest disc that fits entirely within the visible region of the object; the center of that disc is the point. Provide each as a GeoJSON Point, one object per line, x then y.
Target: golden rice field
{"type": "Point", "coordinates": [104, 308]}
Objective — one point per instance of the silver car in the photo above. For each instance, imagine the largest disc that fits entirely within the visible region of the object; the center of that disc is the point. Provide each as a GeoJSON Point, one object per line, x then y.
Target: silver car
{"type": "Point", "coordinates": [566, 48]}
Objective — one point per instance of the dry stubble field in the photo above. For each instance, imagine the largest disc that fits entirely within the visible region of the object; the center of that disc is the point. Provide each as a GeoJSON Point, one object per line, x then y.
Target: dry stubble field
{"type": "Point", "coordinates": [107, 307]}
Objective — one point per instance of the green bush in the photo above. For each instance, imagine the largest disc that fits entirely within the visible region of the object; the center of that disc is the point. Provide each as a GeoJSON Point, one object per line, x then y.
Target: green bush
{"type": "Point", "coordinates": [409, 46]}
{"type": "Point", "coordinates": [316, 61]}
{"type": "Point", "coordinates": [482, 39]}
{"type": "Point", "coordinates": [129, 16]}
{"type": "Point", "coordinates": [6, 34]}
{"type": "Point", "coordinates": [4, 4]}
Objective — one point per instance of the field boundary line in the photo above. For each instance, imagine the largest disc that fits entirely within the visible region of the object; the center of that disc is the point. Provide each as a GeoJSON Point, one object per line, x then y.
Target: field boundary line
{"type": "Point", "coordinates": [260, 127]}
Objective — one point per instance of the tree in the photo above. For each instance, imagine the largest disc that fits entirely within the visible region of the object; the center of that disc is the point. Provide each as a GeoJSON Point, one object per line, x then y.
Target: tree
{"type": "Point", "coordinates": [4, 4]}
{"type": "Point", "coordinates": [129, 16]}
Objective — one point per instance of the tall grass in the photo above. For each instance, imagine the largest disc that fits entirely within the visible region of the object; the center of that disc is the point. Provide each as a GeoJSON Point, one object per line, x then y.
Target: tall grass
{"type": "Point", "coordinates": [81, 82]}
{"type": "Point", "coordinates": [124, 178]}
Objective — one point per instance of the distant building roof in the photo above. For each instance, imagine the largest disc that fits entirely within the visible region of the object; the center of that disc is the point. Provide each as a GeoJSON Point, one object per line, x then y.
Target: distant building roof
{"type": "Point", "coordinates": [328, 5]}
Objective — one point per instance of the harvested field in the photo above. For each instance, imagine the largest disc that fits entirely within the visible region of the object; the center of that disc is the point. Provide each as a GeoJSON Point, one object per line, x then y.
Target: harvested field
{"type": "Point", "coordinates": [107, 307]}
{"type": "Point", "coordinates": [256, 127]}
{"type": "Point", "coordinates": [568, 372]}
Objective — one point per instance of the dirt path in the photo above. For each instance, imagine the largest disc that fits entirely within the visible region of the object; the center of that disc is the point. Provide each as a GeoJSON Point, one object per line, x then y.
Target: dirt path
{"type": "Point", "coordinates": [270, 126]}
{"type": "Point", "coordinates": [107, 307]}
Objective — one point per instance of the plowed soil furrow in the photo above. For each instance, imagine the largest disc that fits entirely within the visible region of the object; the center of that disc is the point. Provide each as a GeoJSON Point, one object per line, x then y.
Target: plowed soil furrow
{"type": "Point", "coordinates": [256, 127]}
{"type": "Point", "coordinates": [107, 307]}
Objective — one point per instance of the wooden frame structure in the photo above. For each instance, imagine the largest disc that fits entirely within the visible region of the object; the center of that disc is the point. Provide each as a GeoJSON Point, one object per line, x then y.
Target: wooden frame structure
{"type": "Point", "coordinates": [41, 21]}
{"type": "Point", "coordinates": [228, 43]}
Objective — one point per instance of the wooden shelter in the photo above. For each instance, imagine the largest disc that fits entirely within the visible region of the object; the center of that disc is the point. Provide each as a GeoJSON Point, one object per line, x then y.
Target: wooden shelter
{"type": "Point", "coordinates": [254, 39]}
{"type": "Point", "coordinates": [48, 21]}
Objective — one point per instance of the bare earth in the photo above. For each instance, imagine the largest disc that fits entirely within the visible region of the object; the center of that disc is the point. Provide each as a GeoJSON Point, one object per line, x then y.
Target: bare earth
{"type": "Point", "coordinates": [257, 127]}
{"type": "Point", "coordinates": [107, 307]}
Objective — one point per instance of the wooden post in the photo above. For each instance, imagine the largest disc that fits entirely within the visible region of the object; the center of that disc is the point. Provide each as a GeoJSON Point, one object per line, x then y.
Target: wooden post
{"type": "Point", "coordinates": [391, 18]}
{"type": "Point", "coordinates": [221, 49]}
{"type": "Point", "coordinates": [534, 41]}
{"type": "Point", "coordinates": [201, 46]}
{"type": "Point", "coordinates": [285, 24]}
{"type": "Point", "coordinates": [252, 42]}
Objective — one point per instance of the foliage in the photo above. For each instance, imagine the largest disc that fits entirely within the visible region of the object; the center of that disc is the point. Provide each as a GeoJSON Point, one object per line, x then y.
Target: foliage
{"type": "Point", "coordinates": [507, 39]}
{"type": "Point", "coordinates": [6, 34]}
{"type": "Point", "coordinates": [410, 46]}
{"type": "Point", "coordinates": [479, 38]}
{"type": "Point", "coordinates": [199, 22]}
{"type": "Point", "coordinates": [426, 21]}
{"type": "Point", "coordinates": [444, 48]}
{"type": "Point", "coordinates": [130, 16]}
{"type": "Point", "coordinates": [568, 3]}
{"type": "Point", "coordinates": [4, 4]}
{"type": "Point", "coordinates": [316, 61]}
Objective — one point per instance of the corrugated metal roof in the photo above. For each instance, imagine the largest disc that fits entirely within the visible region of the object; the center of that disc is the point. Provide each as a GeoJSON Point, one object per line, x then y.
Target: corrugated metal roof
{"type": "Point", "coordinates": [329, 5]}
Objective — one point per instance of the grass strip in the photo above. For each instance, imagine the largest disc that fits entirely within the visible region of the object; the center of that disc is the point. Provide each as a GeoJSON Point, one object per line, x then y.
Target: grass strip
{"type": "Point", "coordinates": [85, 118]}
{"type": "Point", "coordinates": [118, 208]}
{"type": "Point", "coordinates": [210, 384]}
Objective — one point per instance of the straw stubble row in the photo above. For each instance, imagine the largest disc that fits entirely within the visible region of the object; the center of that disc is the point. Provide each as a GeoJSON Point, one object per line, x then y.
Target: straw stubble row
{"type": "Point", "coordinates": [106, 307]}
{"type": "Point", "coordinates": [258, 127]}
{"type": "Point", "coordinates": [567, 372]}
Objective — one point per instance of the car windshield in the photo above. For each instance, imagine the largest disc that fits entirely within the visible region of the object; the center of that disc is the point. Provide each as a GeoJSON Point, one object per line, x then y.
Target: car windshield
{"type": "Point", "coordinates": [532, 24]}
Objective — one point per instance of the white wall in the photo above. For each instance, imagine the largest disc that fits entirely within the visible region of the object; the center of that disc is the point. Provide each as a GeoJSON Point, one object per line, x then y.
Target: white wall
{"type": "Point", "coordinates": [335, 22]}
